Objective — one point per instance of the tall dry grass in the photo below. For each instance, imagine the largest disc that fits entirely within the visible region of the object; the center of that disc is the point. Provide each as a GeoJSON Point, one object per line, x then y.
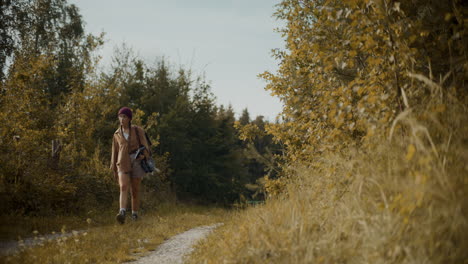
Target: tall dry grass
{"type": "Point", "coordinates": [399, 199]}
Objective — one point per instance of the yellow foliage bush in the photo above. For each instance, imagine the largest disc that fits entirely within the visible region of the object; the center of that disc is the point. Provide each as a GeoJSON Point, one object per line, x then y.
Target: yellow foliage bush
{"type": "Point", "coordinates": [400, 201]}
{"type": "Point", "coordinates": [349, 63]}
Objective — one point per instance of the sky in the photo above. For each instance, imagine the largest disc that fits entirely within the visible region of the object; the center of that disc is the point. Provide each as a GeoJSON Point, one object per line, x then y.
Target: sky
{"type": "Point", "coordinates": [228, 41]}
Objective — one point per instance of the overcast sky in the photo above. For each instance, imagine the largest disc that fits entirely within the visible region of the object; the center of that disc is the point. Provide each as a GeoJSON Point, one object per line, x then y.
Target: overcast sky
{"type": "Point", "coordinates": [230, 41]}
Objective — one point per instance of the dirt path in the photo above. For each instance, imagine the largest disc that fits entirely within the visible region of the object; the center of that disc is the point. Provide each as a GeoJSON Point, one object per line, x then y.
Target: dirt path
{"type": "Point", "coordinates": [171, 251]}
{"type": "Point", "coordinates": [12, 247]}
{"type": "Point", "coordinates": [174, 249]}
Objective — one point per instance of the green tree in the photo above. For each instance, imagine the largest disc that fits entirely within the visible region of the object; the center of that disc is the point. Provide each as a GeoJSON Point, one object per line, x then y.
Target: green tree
{"type": "Point", "coordinates": [50, 58]}
{"type": "Point", "coordinates": [12, 15]}
{"type": "Point", "coordinates": [245, 117]}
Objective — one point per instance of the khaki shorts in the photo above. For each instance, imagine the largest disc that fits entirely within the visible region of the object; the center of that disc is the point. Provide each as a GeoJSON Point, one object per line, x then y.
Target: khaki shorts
{"type": "Point", "coordinates": [137, 170]}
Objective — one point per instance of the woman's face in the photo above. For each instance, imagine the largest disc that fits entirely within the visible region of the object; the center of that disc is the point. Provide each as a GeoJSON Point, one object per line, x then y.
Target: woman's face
{"type": "Point", "coordinates": [124, 120]}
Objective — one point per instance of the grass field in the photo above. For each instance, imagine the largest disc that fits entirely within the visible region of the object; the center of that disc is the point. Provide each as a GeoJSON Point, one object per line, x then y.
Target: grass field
{"type": "Point", "coordinates": [104, 241]}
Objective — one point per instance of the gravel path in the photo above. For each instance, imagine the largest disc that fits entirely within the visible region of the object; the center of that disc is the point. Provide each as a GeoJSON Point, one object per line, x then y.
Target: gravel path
{"type": "Point", "coordinates": [173, 250]}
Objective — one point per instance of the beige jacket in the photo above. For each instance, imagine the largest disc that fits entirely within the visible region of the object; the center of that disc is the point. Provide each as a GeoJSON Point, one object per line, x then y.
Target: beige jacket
{"type": "Point", "coordinates": [121, 149]}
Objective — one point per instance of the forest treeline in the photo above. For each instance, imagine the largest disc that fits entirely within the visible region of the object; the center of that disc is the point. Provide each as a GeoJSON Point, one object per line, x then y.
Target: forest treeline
{"type": "Point", "coordinates": [58, 115]}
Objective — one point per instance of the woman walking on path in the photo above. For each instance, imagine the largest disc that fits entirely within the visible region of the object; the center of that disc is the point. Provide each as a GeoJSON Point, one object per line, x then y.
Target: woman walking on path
{"type": "Point", "coordinates": [124, 163]}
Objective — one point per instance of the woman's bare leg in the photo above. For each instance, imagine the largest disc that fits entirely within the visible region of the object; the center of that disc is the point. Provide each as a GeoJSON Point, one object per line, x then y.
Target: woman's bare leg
{"type": "Point", "coordinates": [135, 193]}
{"type": "Point", "coordinates": [124, 182]}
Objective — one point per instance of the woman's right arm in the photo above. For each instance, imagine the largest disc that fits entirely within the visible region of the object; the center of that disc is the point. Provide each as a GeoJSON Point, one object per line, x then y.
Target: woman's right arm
{"type": "Point", "coordinates": [114, 156]}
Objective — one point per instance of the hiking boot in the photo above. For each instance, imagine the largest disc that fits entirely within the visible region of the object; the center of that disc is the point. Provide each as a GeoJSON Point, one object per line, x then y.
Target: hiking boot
{"type": "Point", "coordinates": [134, 217]}
{"type": "Point", "coordinates": [120, 217]}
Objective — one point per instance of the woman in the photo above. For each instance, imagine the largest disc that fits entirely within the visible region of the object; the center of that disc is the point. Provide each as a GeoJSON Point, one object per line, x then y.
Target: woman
{"type": "Point", "coordinates": [124, 163]}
